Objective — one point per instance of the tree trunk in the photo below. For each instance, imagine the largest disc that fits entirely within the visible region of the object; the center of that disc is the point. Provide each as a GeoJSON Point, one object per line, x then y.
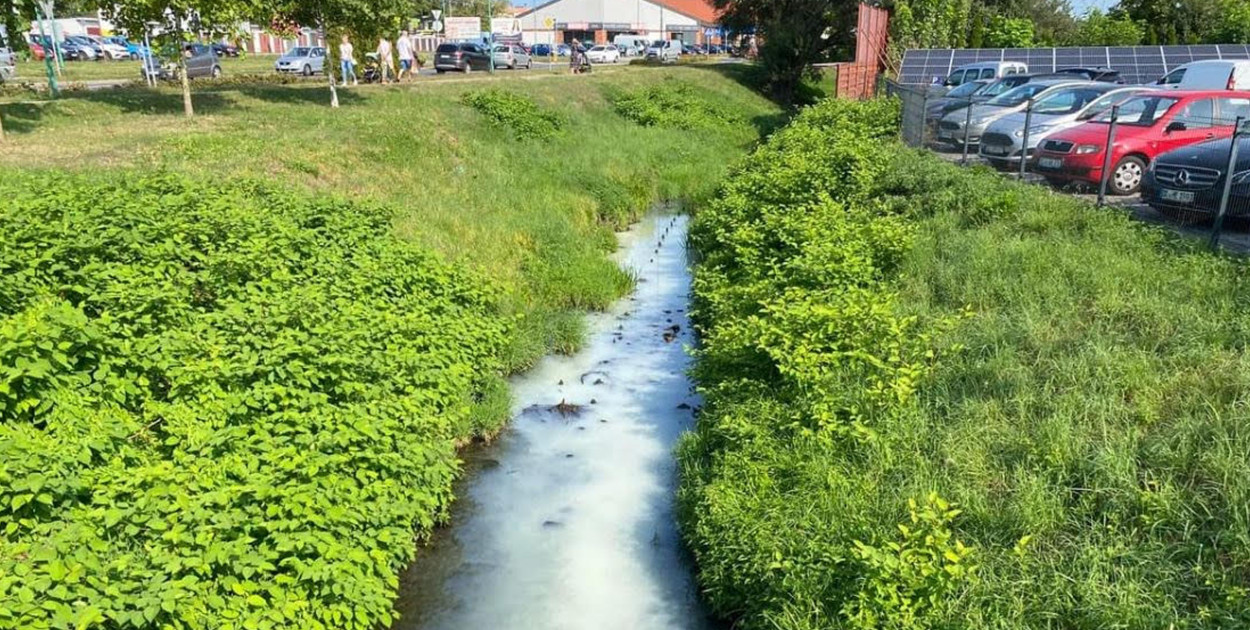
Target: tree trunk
{"type": "Point", "coordinates": [187, 108]}
{"type": "Point", "coordinates": [1, 126]}
{"type": "Point", "coordinates": [334, 93]}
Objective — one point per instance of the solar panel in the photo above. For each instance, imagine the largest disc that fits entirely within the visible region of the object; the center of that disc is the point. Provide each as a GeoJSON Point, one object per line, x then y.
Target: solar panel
{"type": "Point", "coordinates": [1137, 64]}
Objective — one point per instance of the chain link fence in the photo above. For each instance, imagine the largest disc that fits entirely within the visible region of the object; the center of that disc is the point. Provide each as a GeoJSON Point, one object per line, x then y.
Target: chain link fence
{"type": "Point", "coordinates": [1188, 157]}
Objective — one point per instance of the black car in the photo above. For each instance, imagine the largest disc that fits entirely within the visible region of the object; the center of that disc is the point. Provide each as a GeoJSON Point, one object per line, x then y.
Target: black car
{"type": "Point", "coordinates": [225, 50]}
{"type": "Point", "coordinates": [1105, 75]}
{"type": "Point", "coordinates": [463, 57]}
{"type": "Point", "coordinates": [1190, 180]}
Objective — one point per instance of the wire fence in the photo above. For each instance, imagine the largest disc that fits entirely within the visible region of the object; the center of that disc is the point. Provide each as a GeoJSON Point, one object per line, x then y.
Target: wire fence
{"type": "Point", "coordinates": [1185, 156]}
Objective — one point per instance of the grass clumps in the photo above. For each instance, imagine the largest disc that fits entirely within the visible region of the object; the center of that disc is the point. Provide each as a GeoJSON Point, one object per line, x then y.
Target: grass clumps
{"type": "Point", "coordinates": [670, 104]}
{"type": "Point", "coordinates": [224, 405]}
{"type": "Point", "coordinates": [516, 113]}
{"type": "Point", "coordinates": [936, 399]}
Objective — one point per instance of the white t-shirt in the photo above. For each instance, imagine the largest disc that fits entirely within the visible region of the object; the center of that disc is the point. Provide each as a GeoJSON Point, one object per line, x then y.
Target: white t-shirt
{"type": "Point", "coordinates": [405, 48]}
{"type": "Point", "coordinates": [347, 52]}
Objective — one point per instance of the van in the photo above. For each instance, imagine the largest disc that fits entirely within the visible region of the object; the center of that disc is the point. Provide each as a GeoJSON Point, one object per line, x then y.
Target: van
{"type": "Point", "coordinates": [629, 43]}
{"type": "Point", "coordinates": [1211, 74]}
{"type": "Point", "coordinates": [985, 70]}
{"type": "Point", "coordinates": [664, 49]}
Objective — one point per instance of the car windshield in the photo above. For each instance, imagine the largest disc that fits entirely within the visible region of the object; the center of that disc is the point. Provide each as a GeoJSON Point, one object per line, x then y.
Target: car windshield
{"type": "Point", "coordinates": [967, 89]}
{"type": "Point", "coordinates": [659, 43]}
{"type": "Point", "coordinates": [1103, 104]}
{"type": "Point", "coordinates": [1016, 96]}
{"type": "Point", "coordinates": [1142, 111]}
{"type": "Point", "coordinates": [501, 49]}
{"type": "Point", "coordinates": [1067, 101]}
{"type": "Point", "coordinates": [599, 48]}
{"type": "Point", "coordinates": [999, 87]}
{"type": "Point", "coordinates": [299, 51]}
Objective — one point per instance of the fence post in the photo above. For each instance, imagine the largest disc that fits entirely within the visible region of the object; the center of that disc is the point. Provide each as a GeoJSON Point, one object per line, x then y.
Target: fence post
{"type": "Point", "coordinates": [1228, 187]}
{"type": "Point", "coordinates": [1024, 142]}
{"type": "Point", "coordinates": [1106, 159]}
{"type": "Point", "coordinates": [967, 126]}
{"type": "Point", "coordinates": [924, 111]}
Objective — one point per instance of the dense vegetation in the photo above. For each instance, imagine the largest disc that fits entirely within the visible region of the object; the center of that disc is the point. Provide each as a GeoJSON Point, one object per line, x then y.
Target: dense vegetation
{"type": "Point", "coordinates": [236, 404]}
{"type": "Point", "coordinates": [936, 399]}
{"type": "Point", "coordinates": [515, 113]}
{"type": "Point", "coordinates": [671, 104]}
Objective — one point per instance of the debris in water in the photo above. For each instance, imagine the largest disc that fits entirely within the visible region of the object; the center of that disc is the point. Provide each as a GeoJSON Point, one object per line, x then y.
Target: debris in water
{"type": "Point", "coordinates": [671, 333]}
{"type": "Point", "coordinates": [568, 456]}
{"type": "Point", "coordinates": [593, 401]}
{"type": "Point", "coordinates": [552, 524]}
{"type": "Point", "coordinates": [683, 406]}
{"type": "Point", "coordinates": [561, 382]}
{"type": "Point", "coordinates": [598, 375]}
{"type": "Point", "coordinates": [566, 408]}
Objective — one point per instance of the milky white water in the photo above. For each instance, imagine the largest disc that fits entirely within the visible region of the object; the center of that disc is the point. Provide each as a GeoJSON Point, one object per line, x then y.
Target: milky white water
{"type": "Point", "coordinates": [567, 520]}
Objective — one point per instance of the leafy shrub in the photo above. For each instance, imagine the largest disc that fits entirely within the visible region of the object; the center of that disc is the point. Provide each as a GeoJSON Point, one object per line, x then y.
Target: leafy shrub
{"type": "Point", "coordinates": [515, 112]}
{"type": "Point", "coordinates": [672, 104]}
{"type": "Point", "coordinates": [223, 406]}
{"type": "Point", "coordinates": [879, 326]}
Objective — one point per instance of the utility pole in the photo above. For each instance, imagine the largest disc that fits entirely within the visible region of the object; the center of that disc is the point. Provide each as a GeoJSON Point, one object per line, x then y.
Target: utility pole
{"type": "Point", "coordinates": [490, 33]}
{"type": "Point", "coordinates": [49, 52]}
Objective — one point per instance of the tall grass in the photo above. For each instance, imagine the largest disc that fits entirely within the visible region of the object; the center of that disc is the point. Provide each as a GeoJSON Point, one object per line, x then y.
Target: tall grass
{"type": "Point", "coordinates": [1052, 393]}
{"type": "Point", "coordinates": [537, 215]}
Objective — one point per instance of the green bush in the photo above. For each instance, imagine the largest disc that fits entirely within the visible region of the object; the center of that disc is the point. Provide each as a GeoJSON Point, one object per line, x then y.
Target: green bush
{"type": "Point", "coordinates": [886, 335]}
{"type": "Point", "coordinates": [516, 113]}
{"type": "Point", "coordinates": [224, 406]}
{"type": "Point", "coordinates": [672, 104]}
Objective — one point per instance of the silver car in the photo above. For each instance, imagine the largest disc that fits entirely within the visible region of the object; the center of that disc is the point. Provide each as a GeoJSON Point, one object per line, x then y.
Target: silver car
{"type": "Point", "coordinates": [951, 129]}
{"type": "Point", "coordinates": [8, 67]}
{"type": "Point", "coordinates": [512, 57]}
{"type": "Point", "coordinates": [1059, 110]}
{"type": "Point", "coordinates": [306, 60]}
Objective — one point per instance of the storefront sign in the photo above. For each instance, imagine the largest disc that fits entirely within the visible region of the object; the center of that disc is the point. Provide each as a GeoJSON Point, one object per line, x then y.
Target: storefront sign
{"type": "Point", "coordinates": [463, 28]}
{"type": "Point", "coordinates": [572, 26]}
{"type": "Point", "coordinates": [682, 28]}
{"type": "Point", "coordinates": [617, 26]}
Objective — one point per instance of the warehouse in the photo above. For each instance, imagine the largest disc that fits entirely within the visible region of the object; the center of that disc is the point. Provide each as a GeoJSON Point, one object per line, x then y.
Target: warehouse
{"type": "Point", "coordinates": [599, 21]}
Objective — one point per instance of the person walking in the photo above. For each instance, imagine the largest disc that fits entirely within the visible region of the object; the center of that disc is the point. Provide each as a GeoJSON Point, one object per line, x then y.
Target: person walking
{"type": "Point", "coordinates": [386, 60]}
{"type": "Point", "coordinates": [575, 61]}
{"type": "Point", "coordinates": [347, 62]}
{"type": "Point", "coordinates": [404, 44]}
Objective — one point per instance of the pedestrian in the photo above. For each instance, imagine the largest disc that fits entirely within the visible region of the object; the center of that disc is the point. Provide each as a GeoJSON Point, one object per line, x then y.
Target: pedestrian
{"type": "Point", "coordinates": [347, 62]}
{"type": "Point", "coordinates": [386, 60]}
{"type": "Point", "coordinates": [574, 56]}
{"type": "Point", "coordinates": [404, 44]}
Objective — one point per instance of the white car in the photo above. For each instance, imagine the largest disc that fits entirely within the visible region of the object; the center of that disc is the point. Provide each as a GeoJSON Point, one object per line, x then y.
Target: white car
{"type": "Point", "coordinates": [110, 50]}
{"type": "Point", "coordinates": [604, 53]}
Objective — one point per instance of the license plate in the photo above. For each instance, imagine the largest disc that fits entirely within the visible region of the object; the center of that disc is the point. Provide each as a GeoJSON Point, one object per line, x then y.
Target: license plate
{"type": "Point", "coordinates": [993, 150]}
{"type": "Point", "coordinates": [444, 56]}
{"type": "Point", "coordinates": [1050, 163]}
{"type": "Point", "coordinates": [1179, 196]}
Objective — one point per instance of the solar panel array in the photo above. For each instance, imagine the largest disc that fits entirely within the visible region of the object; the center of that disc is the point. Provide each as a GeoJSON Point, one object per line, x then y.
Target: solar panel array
{"type": "Point", "coordinates": [1137, 64]}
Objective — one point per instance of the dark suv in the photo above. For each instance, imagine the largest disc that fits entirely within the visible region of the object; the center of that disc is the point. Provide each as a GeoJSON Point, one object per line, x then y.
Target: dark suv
{"type": "Point", "coordinates": [463, 57]}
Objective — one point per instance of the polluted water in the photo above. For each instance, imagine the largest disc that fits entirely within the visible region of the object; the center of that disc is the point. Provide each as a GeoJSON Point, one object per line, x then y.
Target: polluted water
{"type": "Point", "coordinates": [567, 520]}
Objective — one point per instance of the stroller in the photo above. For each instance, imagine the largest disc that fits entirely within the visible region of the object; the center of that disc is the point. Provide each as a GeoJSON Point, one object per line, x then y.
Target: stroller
{"type": "Point", "coordinates": [580, 63]}
{"type": "Point", "coordinates": [372, 69]}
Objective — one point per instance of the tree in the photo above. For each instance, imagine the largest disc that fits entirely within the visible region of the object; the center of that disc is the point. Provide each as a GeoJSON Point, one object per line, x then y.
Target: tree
{"type": "Point", "coordinates": [1235, 28]}
{"type": "Point", "coordinates": [1005, 32]}
{"type": "Point", "coordinates": [365, 19]}
{"type": "Point", "coordinates": [1172, 22]}
{"type": "Point", "coordinates": [793, 35]}
{"type": "Point", "coordinates": [180, 20]}
{"type": "Point", "coordinates": [1096, 28]}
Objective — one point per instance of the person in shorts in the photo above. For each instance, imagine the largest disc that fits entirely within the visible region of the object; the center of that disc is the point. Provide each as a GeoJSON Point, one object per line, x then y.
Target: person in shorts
{"type": "Point", "coordinates": [406, 58]}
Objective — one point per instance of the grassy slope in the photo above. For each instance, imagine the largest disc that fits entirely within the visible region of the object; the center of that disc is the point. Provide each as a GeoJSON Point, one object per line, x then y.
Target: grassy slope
{"type": "Point", "coordinates": [1087, 414]}
{"type": "Point", "coordinates": [34, 71]}
{"type": "Point", "coordinates": [524, 212]}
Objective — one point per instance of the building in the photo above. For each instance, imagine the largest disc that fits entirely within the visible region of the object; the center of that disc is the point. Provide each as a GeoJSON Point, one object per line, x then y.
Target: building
{"type": "Point", "coordinates": [599, 21]}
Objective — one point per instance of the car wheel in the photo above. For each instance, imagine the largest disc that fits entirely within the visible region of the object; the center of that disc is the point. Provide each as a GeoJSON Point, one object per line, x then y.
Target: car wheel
{"type": "Point", "coordinates": [512, 66]}
{"type": "Point", "coordinates": [307, 70]}
{"type": "Point", "coordinates": [216, 73]}
{"type": "Point", "coordinates": [439, 71]}
{"type": "Point", "coordinates": [1127, 175]}
{"type": "Point", "coordinates": [468, 67]}
{"type": "Point", "coordinates": [529, 65]}
{"type": "Point", "coordinates": [1056, 182]}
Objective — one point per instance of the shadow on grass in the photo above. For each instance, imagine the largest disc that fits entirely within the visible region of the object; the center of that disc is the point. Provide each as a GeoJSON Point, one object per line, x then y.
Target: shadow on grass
{"type": "Point", "coordinates": [754, 77]}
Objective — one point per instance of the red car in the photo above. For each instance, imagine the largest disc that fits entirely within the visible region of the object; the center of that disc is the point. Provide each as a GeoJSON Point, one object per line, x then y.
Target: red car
{"type": "Point", "coordinates": [1149, 124]}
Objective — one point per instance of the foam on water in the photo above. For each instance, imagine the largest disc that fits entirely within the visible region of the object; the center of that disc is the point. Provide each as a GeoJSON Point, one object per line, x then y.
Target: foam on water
{"type": "Point", "coordinates": [567, 520]}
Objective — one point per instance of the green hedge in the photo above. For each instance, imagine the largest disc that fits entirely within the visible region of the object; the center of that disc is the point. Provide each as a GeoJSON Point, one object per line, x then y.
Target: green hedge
{"type": "Point", "coordinates": [224, 406]}
{"type": "Point", "coordinates": [939, 399]}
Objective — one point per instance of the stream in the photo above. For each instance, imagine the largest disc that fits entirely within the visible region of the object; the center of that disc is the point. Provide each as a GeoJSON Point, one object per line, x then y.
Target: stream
{"type": "Point", "coordinates": [567, 520]}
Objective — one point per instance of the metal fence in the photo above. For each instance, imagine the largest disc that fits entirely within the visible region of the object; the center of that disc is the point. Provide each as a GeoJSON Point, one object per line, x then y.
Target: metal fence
{"type": "Point", "coordinates": [1188, 159]}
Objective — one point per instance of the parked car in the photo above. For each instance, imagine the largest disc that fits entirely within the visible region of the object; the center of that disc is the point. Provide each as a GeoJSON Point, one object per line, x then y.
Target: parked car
{"type": "Point", "coordinates": [306, 60]}
{"type": "Point", "coordinates": [225, 50]}
{"type": "Point", "coordinates": [995, 88]}
{"type": "Point", "coordinates": [958, 98]}
{"type": "Point", "coordinates": [541, 50]}
{"type": "Point", "coordinates": [135, 51]}
{"type": "Point", "coordinates": [109, 50]}
{"type": "Point", "coordinates": [1149, 124]}
{"type": "Point", "coordinates": [200, 60]}
{"type": "Point", "coordinates": [85, 43]}
{"type": "Point", "coordinates": [984, 70]}
{"type": "Point", "coordinates": [603, 53]}
{"type": "Point", "coordinates": [1002, 142]}
{"type": "Point", "coordinates": [696, 49]}
{"type": "Point", "coordinates": [1211, 74]}
{"type": "Point", "coordinates": [1191, 179]}
{"type": "Point", "coordinates": [664, 50]}
{"type": "Point", "coordinates": [463, 57]}
{"type": "Point", "coordinates": [1106, 75]}
{"type": "Point", "coordinates": [564, 50]}
{"type": "Point", "coordinates": [951, 129]}
{"type": "Point", "coordinates": [37, 51]}
{"type": "Point", "coordinates": [8, 64]}
{"type": "Point", "coordinates": [75, 51]}
{"type": "Point", "coordinates": [512, 57]}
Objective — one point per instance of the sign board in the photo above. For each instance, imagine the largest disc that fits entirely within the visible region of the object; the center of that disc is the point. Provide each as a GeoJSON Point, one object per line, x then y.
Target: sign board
{"type": "Point", "coordinates": [505, 26]}
{"type": "Point", "coordinates": [573, 26]}
{"type": "Point", "coordinates": [549, 23]}
{"type": "Point", "coordinates": [438, 14]}
{"type": "Point", "coordinates": [458, 28]}
{"type": "Point", "coordinates": [436, 26]}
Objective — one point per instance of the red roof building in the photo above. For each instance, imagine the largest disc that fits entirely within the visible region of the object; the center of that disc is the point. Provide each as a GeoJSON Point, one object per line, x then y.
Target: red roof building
{"type": "Point", "coordinates": [600, 21]}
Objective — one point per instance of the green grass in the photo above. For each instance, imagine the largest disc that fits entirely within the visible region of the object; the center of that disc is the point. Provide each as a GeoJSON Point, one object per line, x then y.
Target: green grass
{"type": "Point", "coordinates": [535, 215]}
{"type": "Point", "coordinates": [35, 71]}
{"type": "Point", "coordinates": [938, 399]}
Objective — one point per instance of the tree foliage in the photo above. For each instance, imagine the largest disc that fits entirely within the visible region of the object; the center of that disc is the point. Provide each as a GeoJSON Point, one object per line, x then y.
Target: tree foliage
{"type": "Point", "coordinates": [1096, 28]}
{"type": "Point", "coordinates": [1003, 32]}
